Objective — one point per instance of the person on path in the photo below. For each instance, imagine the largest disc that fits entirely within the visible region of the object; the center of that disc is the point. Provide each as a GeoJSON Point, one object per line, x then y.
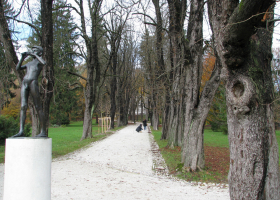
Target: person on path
{"type": "Point", "coordinates": [139, 128]}
{"type": "Point", "coordinates": [145, 124]}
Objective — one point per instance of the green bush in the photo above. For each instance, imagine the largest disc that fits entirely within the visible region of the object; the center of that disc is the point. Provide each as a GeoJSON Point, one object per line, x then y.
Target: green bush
{"type": "Point", "coordinates": [61, 119]}
{"type": "Point", "coordinates": [215, 126]}
{"type": "Point", "coordinates": [9, 127]}
{"type": "Point", "coordinates": [219, 127]}
{"type": "Point", "coordinates": [224, 129]}
{"type": "Point", "coordinates": [64, 120]}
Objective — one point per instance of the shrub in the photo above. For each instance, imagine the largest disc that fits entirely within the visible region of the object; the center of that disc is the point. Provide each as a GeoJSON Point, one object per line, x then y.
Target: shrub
{"type": "Point", "coordinates": [61, 119]}
{"type": "Point", "coordinates": [9, 127]}
{"type": "Point", "coordinates": [215, 126]}
{"type": "Point", "coordinates": [224, 129]}
{"type": "Point", "coordinates": [219, 126]}
{"type": "Point", "coordinates": [64, 120]}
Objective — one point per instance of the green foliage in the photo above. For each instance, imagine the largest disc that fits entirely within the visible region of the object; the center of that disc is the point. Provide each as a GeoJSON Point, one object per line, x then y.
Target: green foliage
{"type": "Point", "coordinates": [9, 127]}
{"type": "Point", "coordinates": [241, 5]}
{"type": "Point", "coordinates": [217, 116]}
{"type": "Point", "coordinates": [65, 106]}
{"type": "Point", "coordinates": [7, 79]}
{"type": "Point", "coordinates": [60, 119]}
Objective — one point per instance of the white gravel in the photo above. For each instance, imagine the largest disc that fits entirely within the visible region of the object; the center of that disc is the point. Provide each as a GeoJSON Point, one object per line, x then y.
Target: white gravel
{"type": "Point", "coordinates": [121, 167]}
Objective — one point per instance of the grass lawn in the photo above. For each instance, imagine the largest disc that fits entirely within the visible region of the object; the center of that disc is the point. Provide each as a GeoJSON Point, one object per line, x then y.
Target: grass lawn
{"type": "Point", "coordinates": [67, 139]}
{"type": "Point", "coordinates": [216, 149]}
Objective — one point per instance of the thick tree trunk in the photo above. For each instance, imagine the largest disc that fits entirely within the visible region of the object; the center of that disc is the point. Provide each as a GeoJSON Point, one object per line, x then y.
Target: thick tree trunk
{"type": "Point", "coordinates": [35, 118]}
{"type": "Point", "coordinates": [87, 125]}
{"type": "Point", "coordinates": [89, 101]}
{"type": "Point", "coordinates": [122, 121]}
{"type": "Point", "coordinates": [48, 70]}
{"type": "Point", "coordinates": [253, 145]}
{"type": "Point", "coordinates": [155, 119]}
{"type": "Point", "coordinates": [193, 149]}
{"type": "Point", "coordinates": [245, 53]}
{"type": "Point", "coordinates": [177, 13]}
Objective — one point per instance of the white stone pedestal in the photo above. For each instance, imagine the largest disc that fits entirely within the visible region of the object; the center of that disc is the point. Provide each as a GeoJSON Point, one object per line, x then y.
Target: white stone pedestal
{"type": "Point", "coordinates": [28, 168]}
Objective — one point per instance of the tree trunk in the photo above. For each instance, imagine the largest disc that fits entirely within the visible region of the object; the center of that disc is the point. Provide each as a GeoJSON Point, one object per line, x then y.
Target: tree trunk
{"type": "Point", "coordinates": [93, 65]}
{"type": "Point", "coordinates": [194, 118]}
{"type": "Point", "coordinates": [48, 70]}
{"type": "Point", "coordinates": [155, 119]}
{"type": "Point", "coordinates": [245, 53]}
{"type": "Point", "coordinates": [35, 118]}
{"type": "Point", "coordinates": [96, 119]}
{"type": "Point", "coordinates": [177, 13]}
{"type": "Point", "coordinates": [193, 149]}
{"type": "Point", "coordinates": [165, 117]}
{"type": "Point", "coordinates": [253, 144]}
{"type": "Point", "coordinates": [124, 100]}
{"type": "Point", "coordinates": [113, 85]}
{"type": "Point", "coordinates": [87, 125]}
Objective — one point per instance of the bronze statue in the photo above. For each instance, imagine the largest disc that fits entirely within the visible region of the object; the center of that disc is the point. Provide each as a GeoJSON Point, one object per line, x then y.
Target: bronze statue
{"type": "Point", "coordinates": [30, 86]}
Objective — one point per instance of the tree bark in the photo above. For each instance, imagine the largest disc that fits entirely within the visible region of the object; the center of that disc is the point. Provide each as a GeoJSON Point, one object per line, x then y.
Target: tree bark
{"type": "Point", "coordinates": [193, 147]}
{"type": "Point", "coordinates": [177, 13]}
{"type": "Point", "coordinates": [47, 44]}
{"type": "Point", "coordinates": [243, 44]}
{"type": "Point", "coordinates": [35, 118]}
{"type": "Point", "coordinates": [195, 113]}
{"type": "Point", "coordinates": [113, 84]}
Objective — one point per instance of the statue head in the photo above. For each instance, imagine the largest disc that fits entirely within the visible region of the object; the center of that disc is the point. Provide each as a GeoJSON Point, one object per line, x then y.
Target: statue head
{"type": "Point", "coordinates": [38, 50]}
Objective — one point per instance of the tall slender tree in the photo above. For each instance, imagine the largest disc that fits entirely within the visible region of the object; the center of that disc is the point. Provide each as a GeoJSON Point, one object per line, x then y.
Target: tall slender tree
{"type": "Point", "coordinates": [93, 66]}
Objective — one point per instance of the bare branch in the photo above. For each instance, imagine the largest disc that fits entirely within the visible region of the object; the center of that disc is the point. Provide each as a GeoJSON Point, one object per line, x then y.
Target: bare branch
{"type": "Point", "coordinates": [75, 74]}
{"type": "Point", "coordinates": [29, 24]}
{"type": "Point", "coordinates": [20, 9]}
{"type": "Point", "coordinates": [145, 16]}
{"type": "Point", "coordinates": [67, 6]}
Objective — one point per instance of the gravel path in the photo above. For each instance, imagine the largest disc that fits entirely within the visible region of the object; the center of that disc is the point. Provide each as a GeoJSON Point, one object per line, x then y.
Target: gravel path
{"type": "Point", "coordinates": [121, 167]}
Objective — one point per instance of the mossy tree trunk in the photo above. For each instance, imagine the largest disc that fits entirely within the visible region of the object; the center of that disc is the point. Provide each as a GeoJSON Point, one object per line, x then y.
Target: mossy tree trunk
{"type": "Point", "coordinates": [243, 43]}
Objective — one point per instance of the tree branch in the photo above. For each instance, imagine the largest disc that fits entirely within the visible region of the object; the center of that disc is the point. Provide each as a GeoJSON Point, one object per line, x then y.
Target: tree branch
{"type": "Point", "coordinates": [29, 24]}
{"type": "Point", "coordinates": [145, 16]}
{"type": "Point", "coordinates": [75, 74]}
